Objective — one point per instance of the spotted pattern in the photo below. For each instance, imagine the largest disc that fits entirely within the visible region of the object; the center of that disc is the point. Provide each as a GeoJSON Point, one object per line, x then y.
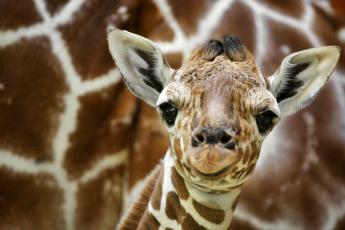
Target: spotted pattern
{"type": "Point", "coordinates": [292, 22]}
{"type": "Point", "coordinates": [173, 210]}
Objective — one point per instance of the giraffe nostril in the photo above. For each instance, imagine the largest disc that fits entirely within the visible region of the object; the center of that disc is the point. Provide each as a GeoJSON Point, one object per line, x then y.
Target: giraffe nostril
{"type": "Point", "coordinates": [200, 138]}
{"type": "Point", "coordinates": [231, 145]}
{"type": "Point", "coordinates": [225, 139]}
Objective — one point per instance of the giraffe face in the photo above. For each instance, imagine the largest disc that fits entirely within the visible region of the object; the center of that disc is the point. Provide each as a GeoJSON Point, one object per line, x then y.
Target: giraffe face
{"type": "Point", "coordinates": [217, 107]}
{"type": "Point", "coordinates": [218, 112]}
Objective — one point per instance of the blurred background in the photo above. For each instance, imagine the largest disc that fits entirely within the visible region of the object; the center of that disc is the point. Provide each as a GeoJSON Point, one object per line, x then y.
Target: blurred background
{"type": "Point", "coordinates": [75, 145]}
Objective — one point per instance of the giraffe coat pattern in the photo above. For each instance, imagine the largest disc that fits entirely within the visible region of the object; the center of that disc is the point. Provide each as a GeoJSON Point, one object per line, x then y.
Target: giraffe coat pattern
{"type": "Point", "coordinates": [270, 30]}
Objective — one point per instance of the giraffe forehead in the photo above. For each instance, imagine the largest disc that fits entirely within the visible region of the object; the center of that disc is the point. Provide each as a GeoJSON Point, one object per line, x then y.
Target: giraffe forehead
{"type": "Point", "coordinates": [218, 71]}
{"type": "Point", "coordinates": [219, 91]}
{"type": "Point", "coordinates": [217, 76]}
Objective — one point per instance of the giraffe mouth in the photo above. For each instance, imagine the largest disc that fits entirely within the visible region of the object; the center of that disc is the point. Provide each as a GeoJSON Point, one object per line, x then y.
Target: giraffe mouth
{"type": "Point", "coordinates": [211, 162]}
{"type": "Point", "coordinates": [216, 175]}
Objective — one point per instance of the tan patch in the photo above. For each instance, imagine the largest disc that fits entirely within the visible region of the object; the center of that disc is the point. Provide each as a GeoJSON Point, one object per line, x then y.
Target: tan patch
{"type": "Point", "coordinates": [212, 215]}
{"type": "Point", "coordinates": [179, 185]}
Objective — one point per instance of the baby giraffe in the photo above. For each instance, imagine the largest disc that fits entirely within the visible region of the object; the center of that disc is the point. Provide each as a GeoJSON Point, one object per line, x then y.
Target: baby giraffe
{"type": "Point", "coordinates": [218, 108]}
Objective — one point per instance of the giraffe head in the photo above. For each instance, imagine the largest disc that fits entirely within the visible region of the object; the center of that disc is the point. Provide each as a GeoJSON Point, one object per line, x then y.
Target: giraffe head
{"type": "Point", "coordinates": [218, 108]}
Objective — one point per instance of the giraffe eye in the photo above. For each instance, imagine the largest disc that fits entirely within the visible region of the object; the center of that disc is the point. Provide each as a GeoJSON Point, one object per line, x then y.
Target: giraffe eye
{"type": "Point", "coordinates": [169, 112]}
{"type": "Point", "coordinates": [264, 121]}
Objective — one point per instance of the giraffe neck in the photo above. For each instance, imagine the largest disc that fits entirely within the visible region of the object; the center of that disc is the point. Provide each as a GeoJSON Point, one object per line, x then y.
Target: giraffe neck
{"type": "Point", "coordinates": [177, 204]}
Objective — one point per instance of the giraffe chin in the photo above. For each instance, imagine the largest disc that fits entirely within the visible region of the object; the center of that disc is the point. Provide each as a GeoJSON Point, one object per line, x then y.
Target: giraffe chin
{"type": "Point", "coordinates": [223, 184]}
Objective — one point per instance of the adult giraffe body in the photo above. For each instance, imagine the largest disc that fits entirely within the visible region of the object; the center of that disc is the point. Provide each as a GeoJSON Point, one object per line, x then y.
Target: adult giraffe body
{"type": "Point", "coordinates": [217, 108]}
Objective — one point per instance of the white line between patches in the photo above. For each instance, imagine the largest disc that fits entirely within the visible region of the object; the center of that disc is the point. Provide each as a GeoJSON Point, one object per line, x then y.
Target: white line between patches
{"type": "Point", "coordinates": [107, 162]}
{"type": "Point", "coordinates": [112, 77]}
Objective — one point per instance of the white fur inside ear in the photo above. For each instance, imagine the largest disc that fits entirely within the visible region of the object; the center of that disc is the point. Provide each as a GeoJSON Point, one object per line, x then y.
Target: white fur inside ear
{"type": "Point", "coordinates": [301, 76]}
{"type": "Point", "coordinates": [136, 60]}
{"type": "Point", "coordinates": [141, 64]}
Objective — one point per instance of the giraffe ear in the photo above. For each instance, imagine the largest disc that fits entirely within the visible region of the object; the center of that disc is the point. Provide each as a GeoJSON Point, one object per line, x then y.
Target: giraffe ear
{"type": "Point", "coordinates": [141, 64]}
{"type": "Point", "coordinates": [301, 76]}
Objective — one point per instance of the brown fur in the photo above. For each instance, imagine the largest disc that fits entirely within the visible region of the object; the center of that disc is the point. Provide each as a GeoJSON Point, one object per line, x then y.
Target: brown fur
{"type": "Point", "coordinates": [179, 185]}
{"type": "Point", "coordinates": [157, 192]}
{"type": "Point", "coordinates": [139, 207]}
{"type": "Point", "coordinates": [190, 224]}
{"type": "Point", "coordinates": [173, 208]}
{"type": "Point", "coordinates": [147, 222]}
{"type": "Point", "coordinates": [175, 211]}
{"type": "Point", "coordinates": [140, 218]}
{"type": "Point", "coordinates": [212, 215]}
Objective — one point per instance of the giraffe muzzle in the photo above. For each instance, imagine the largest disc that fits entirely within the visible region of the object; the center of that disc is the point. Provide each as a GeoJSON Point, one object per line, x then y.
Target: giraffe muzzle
{"type": "Point", "coordinates": [211, 161]}
{"type": "Point", "coordinates": [222, 137]}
